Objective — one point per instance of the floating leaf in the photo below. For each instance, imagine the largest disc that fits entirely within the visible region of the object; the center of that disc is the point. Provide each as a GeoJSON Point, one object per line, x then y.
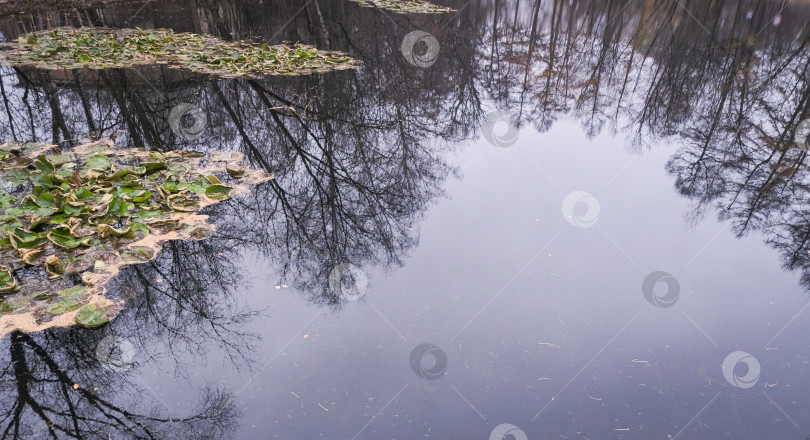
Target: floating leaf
{"type": "Point", "coordinates": [92, 315]}
{"type": "Point", "coordinates": [105, 231]}
{"type": "Point", "coordinates": [61, 236]}
{"type": "Point", "coordinates": [96, 162]}
{"type": "Point", "coordinates": [69, 300]}
{"type": "Point", "coordinates": [22, 239]}
{"type": "Point", "coordinates": [8, 284]}
{"type": "Point", "coordinates": [218, 192]}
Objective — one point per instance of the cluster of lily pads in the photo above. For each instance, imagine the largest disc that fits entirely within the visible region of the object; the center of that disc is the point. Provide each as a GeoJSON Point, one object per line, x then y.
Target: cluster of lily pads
{"type": "Point", "coordinates": [70, 220]}
{"type": "Point", "coordinates": [100, 48]}
{"type": "Point", "coordinates": [405, 6]}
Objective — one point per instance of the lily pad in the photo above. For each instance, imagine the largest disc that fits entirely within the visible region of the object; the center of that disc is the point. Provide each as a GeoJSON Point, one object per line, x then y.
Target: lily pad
{"type": "Point", "coordinates": [92, 316]}
{"type": "Point", "coordinates": [69, 300]}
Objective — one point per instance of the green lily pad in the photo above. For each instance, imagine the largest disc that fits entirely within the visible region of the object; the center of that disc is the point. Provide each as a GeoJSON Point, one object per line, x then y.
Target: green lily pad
{"type": "Point", "coordinates": [92, 316]}
{"type": "Point", "coordinates": [218, 192]}
{"type": "Point", "coordinates": [8, 284]}
{"type": "Point", "coordinates": [62, 237]}
{"type": "Point", "coordinates": [96, 162]}
{"type": "Point", "coordinates": [69, 300]}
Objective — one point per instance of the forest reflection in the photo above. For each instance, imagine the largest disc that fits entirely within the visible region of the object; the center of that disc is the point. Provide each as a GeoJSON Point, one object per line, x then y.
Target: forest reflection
{"type": "Point", "coordinates": [360, 156]}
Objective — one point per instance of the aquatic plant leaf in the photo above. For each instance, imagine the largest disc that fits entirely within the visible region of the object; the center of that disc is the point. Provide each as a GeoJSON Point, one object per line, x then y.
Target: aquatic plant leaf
{"type": "Point", "coordinates": [218, 192]}
{"type": "Point", "coordinates": [8, 284]}
{"type": "Point", "coordinates": [22, 239]}
{"type": "Point", "coordinates": [61, 236]}
{"type": "Point", "coordinates": [92, 315]}
{"type": "Point", "coordinates": [96, 162]}
{"type": "Point", "coordinates": [69, 300]}
{"type": "Point", "coordinates": [43, 164]}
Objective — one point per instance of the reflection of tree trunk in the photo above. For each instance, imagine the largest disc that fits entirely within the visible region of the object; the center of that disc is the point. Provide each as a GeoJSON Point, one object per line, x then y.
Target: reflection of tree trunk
{"type": "Point", "coordinates": [88, 113]}
{"type": "Point", "coordinates": [116, 91]}
{"type": "Point", "coordinates": [8, 110]}
{"type": "Point", "coordinates": [21, 377]}
{"type": "Point", "coordinates": [57, 117]}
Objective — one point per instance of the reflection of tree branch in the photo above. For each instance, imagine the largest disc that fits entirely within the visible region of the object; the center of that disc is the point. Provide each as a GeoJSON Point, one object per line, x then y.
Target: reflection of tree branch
{"type": "Point", "coordinates": [44, 387]}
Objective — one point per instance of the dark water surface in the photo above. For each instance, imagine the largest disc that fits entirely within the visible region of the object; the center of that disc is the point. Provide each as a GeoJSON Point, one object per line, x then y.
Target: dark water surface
{"type": "Point", "coordinates": [504, 202]}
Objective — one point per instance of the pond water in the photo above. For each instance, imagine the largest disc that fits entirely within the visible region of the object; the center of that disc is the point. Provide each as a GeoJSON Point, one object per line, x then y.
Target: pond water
{"type": "Point", "coordinates": [527, 220]}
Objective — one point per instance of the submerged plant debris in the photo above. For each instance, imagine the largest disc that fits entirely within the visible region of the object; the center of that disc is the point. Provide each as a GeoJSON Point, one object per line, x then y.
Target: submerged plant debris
{"type": "Point", "coordinates": [102, 48]}
{"type": "Point", "coordinates": [70, 220]}
{"type": "Point", "coordinates": [405, 6]}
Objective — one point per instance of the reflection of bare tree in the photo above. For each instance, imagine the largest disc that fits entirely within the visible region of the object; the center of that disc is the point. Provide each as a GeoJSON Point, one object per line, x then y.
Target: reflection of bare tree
{"type": "Point", "coordinates": [50, 389]}
{"type": "Point", "coordinates": [710, 74]}
{"type": "Point", "coordinates": [355, 154]}
{"type": "Point", "coordinates": [185, 299]}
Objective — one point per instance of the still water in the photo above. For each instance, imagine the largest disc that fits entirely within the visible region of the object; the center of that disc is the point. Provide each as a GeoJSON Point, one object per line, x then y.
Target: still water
{"type": "Point", "coordinates": [555, 220]}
